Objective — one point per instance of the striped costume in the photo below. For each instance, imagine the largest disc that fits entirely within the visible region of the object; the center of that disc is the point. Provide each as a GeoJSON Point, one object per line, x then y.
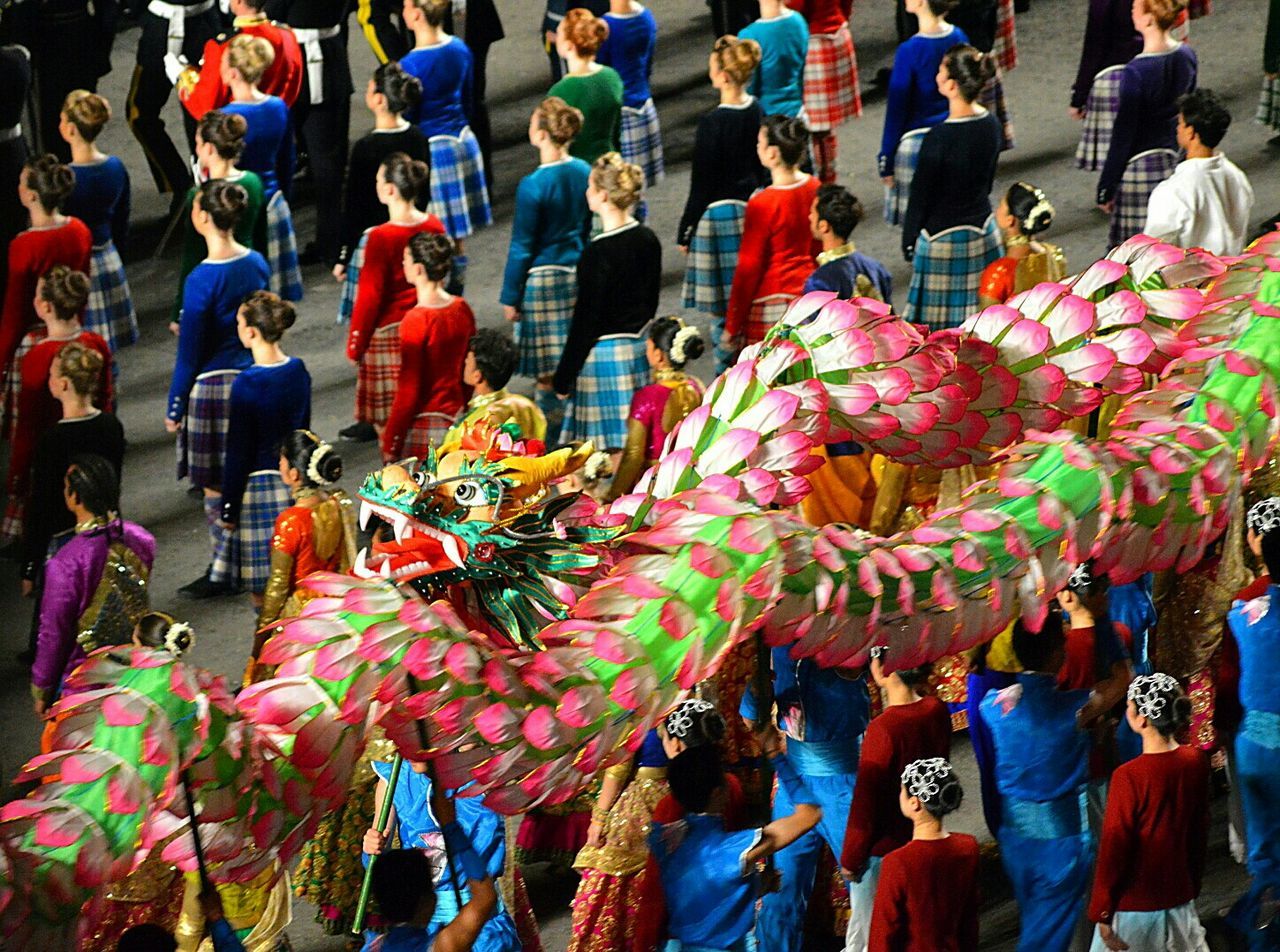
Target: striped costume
{"type": "Point", "coordinates": [202, 441]}
{"type": "Point", "coordinates": [765, 313]}
{"type": "Point", "coordinates": [946, 271]}
{"type": "Point", "coordinates": [831, 91]}
{"type": "Point", "coordinates": [597, 411]}
{"type": "Point", "coordinates": [428, 431]}
{"type": "Point", "coordinates": [898, 194]}
{"type": "Point", "coordinates": [545, 314]}
{"type": "Point", "coordinates": [1005, 49]}
{"type": "Point", "coordinates": [459, 195]}
{"type": "Point", "coordinates": [1099, 116]}
{"type": "Point", "coordinates": [110, 313]}
{"type": "Point", "coordinates": [1144, 172]}
{"type": "Point", "coordinates": [244, 555]}
{"type": "Point", "coordinates": [1269, 104]}
{"type": "Point", "coordinates": [642, 141]}
{"type": "Point", "coordinates": [282, 250]}
{"type": "Point", "coordinates": [713, 256]}
{"type": "Point", "coordinates": [347, 301]}
{"type": "Point", "coordinates": [377, 374]}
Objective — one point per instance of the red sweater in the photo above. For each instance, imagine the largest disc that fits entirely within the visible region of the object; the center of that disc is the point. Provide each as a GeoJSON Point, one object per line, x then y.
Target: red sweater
{"type": "Point", "coordinates": [1079, 671]}
{"type": "Point", "coordinates": [282, 78]}
{"type": "Point", "coordinates": [778, 249]}
{"type": "Point", "coordinates": [433, 348]}
{"type": "Point", "coordinates": [927, 898]}
{"type": "Point", "coordinates": [903, 733]}
{"type": "Point", "coordinates": [823, 16]}
{"type": "Point", "coordinates": [1154, 835]}
{"type": "Point", "coordinates": [31, 254]}
{"type": "Point", "coordinates": [383, 296]}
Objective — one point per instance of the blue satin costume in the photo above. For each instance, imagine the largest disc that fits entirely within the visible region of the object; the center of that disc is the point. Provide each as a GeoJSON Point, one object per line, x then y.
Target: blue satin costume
{"type": "Point", "coordinates": [1042, 769]}
{"type": "Point", "coordinates": [830, 712]}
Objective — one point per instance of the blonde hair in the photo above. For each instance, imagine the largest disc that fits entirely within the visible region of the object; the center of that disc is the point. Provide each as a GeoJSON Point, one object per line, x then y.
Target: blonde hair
{"type": "Point", "coordinates": [250, 56]}
{"type": "Point", "coordinates": [585, 31]}
{"type": "Point", "coordinates": [1165, 12]}
{"type": "Point", "coordinates": [560, 121]}
{"type": "Point", "coordinates": [87, 111]}
{"type": "Point", "coordinates": [736, 58]}
{"type": "Point", "coordinates": [434, 10]}
{"type": "Point", "coordinates": [621, 180]}
{"type": "Point", "coordinates": [81, 366]}
{"type": "Point", "coordinates": [66, 289]}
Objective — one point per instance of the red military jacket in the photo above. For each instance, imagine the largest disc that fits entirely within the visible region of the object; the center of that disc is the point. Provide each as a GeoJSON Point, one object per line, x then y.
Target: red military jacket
{"type": "Point", "coordinates": [202, 90]}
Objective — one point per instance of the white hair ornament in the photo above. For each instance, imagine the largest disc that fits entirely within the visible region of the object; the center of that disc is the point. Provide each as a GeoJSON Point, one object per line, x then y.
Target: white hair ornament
{"type": "Point", "coordinates": [1152, 693]}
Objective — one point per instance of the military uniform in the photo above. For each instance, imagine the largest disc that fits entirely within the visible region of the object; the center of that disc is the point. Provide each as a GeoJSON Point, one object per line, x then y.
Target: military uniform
{"type": "Point", "coordinates": [202, 89]}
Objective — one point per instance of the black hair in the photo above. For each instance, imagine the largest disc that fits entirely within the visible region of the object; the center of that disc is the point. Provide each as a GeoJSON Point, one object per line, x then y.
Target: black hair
{"type": "Point", "coordinates": [269, 314]}
{"type": "Point", "coordinates": [1174, 714]}
{"type": "Point", "coordinates": [496, 356]}
{"type": "Point", "coordinates": [224, 131]}
{"type": "Point", "coordinates": [1036, 650]}
{"type": "Point", "coordinates": [970, 68]}
{"type": "Point", "coordinates": [1205, 112]}
{"type": "Point", "coordinates": [840, 209]}
{"type": "Point", "coordinates": [147, 937]}
{"type": "Point", "coordinates": [411, 177]}
{"type": "Point", "coordinates": [790, 136]}
{"type": "Point", "coordinates": [1271, 553]}
{"type": "Point", "coordinates": [53, 181]}
{"type": "Point", "coordinates": [1024, 200]}
{"type": "Point", "coordinates": [299, 449]}
{"type": "Point", "coordinates": [663, 332]}
{"type": "Point", "coordinates": [948, 798]}
{"type": "Point", "coordinates": [153, 631]}
{"type": "Point", "coordinates": [694, 775]}
{"type": "Point", "coordinates": [94, 482]}
{"type": "Point", "coordinates": [940, 8]}
{"type": "Point", "coordinates": [701, 727]}
{"type": "Point", "coordinates": [1087, 582]}
{"type": "Point", "coordinates": [402, 884]}
{"type": "Point", "coordinates": [434, 252]}
{"type": "Point", "coordinates": [224, 202]}
{"type": "Point", "coordinates": [915, 677]}
{"type": "Point", "coordinates": [402, 89]}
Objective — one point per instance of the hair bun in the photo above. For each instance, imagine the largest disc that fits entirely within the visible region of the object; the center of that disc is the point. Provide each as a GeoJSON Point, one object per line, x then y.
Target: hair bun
{"type": "Point", "coordinates": [324, 468]}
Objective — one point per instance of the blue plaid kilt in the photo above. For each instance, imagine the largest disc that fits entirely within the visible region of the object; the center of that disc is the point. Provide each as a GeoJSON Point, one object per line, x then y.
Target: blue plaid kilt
{"type": "Point", "coordinates": [347, 302]}
{"type": "Point", "coordinates": [110, 313]}
{"type": "Point", "coordinates": [713, 256]}
{"type": "Point", "coordinates": [1100, 111]}
{"type": "Point", "coordinates": [1144, 172]}
{"type": "Point", "coordinates": [904, 170]}
{"type": "Point", "coordinates": [1269, 104]}
{"type": "Point", "coordinates": [282, 250]}
{"type": "Point", "coordinates": [202, 441]}
{"type": "Point", "coordinates": [642, 141]}
{"type": "Point", "coordinates": [946, 271]}
{"type": "Point", "coordinates": [545, 313]}
{"type": "Point", "coordinates": [245, 554]}
{"type": "Point", "coordinates": [597, 411]}
{"type": "Point", "coordinates": [459, 195]}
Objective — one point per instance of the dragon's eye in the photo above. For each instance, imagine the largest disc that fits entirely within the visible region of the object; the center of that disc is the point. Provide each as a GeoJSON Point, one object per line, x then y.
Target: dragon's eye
{"type": "Point", "coordinates": [421, 478]}
{"type": "Point", "coordinates": [470, 494]}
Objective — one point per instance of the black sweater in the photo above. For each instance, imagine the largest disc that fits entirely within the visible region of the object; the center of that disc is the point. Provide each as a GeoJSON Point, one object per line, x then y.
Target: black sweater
{"type": "Point", "coordinates": [725, 164]}
{"type": "Point", "coordinates": [360, 206]}
{"type": "Point", "coordinates": [953, 179]}
{"type": "Point", "coordinates": [619, 275]}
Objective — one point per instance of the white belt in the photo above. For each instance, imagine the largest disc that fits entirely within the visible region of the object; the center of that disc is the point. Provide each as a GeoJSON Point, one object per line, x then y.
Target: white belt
{"type": "Point", "coordinates": [177, 15]}
{"type": "Point", "coordinates": [13, 132]}
{"type": "Point", "coordinates": [309, 40]}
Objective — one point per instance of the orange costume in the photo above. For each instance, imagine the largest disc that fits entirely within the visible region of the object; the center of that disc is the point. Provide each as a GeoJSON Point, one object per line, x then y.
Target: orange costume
{"type": "Point", "coordinates": [1006, 276]}
{"type": "Point", "coordinates": [201, 90]}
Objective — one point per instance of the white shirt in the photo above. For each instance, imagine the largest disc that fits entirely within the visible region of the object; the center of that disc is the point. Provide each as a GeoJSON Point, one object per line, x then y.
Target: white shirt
{"type": "Point", "coordinates": [1206, 204]}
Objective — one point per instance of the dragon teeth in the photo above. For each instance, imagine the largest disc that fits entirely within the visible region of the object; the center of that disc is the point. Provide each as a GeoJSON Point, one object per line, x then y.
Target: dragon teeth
{"type": "Point", "coordinates": [385, 571]}
{"type": "Point", "coordinates": [366, 513]}
{"type": "Point", "coordinates": [450, 545]}
{"type": "Point", "coordinates": [400, 523]}
{"type": "Point", "coordinates": [361, 568]}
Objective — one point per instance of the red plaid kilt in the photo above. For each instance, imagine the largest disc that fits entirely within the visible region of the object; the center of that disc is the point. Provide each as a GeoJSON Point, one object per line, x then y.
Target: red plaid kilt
{"type": "Point", "coordinates": [427, 430]}
{"type": "Point", "coordinates": [831, 92]}
{"type": "Point", "coordinates": [377, 375]}
{"type": "Point", "coordinates": [1006, 45]}
{"type": "Point", "coordinates": [764, 314]}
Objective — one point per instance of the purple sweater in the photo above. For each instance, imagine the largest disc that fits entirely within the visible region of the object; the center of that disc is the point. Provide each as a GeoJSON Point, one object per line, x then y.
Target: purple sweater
{"type": "Point", "coordinates": [1109, 40]}
{"type": "Point", "coordinates": [70, 579]}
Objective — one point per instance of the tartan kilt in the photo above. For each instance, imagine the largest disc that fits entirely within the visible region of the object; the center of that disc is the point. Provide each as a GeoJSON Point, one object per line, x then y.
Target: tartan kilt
{"type": "Point", "coordinates": [377, 375]}
{"type": "Point", "coordinates": [347, 301]}
{"type": "Point", "coordinates": [13, 379]}
{"type": "Point", "coordinates": [282, 250]}
{"type": "Point", "coordinates": [459, 195]}
{"type": "Point", "coordinates": [904, 170]}
{"type": "Point", "coordinates": [545, 314]}
{"type": "Point", "coordinates": [1005, 47]}
{"type": "Point", "coordinates": [11, 526]}
{"type": "Point", "coordinates": [713, 256]}
{"type": "Point", "coordinates": [597, 411]}
{"type": "Point", "coordinates": [202, 441]}
{"type": "Point", "coordinates": [1269, 104]}
{"type": "Point", "coordinates": [245, 554]}
{"type": "Point", "coordinates": [1144, 172]}
{"type": "Point", "coordinates": [764, 314]}
{"type": "Point", "coordinates": [642, 141]}
{"type": "Point", "coordinates": [831, 92]}
{"type": "Point", "coordinates": [946, 271]}
{"type": "Point", "coordinates": [426, 431]}
{"type": "Point", "coordinates": [1100, 111]}
{"type": "Point", "coordinates": [110, 313]}
{"type": "Point", "coordinates": [993, 100]}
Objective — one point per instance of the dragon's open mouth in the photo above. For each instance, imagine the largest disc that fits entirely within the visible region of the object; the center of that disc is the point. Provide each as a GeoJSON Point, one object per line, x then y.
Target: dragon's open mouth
{"type": "Point", "coordinates": [418, 549]}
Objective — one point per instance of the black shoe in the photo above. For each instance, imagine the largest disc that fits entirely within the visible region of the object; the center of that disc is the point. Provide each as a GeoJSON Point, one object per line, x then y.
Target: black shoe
{"type": "Point", "coordinates": [204, 587]}
{"type": "Point", "coordinates": [358, 433]}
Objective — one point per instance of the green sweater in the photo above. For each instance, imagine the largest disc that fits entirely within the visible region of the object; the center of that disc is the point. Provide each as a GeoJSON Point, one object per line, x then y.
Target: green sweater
{"type": "Point", "coordinates": [599, 97]}
{"type": "Point", "coordinates": [251, 231]}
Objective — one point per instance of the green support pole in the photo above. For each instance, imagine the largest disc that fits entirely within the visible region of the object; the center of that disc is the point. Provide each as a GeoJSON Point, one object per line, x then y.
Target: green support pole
{"type": "Point", "coordinates": [384, 815]}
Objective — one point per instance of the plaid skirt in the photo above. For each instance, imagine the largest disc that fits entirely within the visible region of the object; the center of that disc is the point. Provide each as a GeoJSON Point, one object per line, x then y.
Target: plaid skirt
{"type": "Point", "coordinates": [459, 195]}
{"type": "Point", "coordinates": [1005, 48]}
{"type": "Point", "coordinates": [904, 170]}
{"type": "Point", "coordinates": [377, 375]}
{"type": "Point", "coordinates": [1099, 116]}
{"type": "Point", "coordinates": [946, 271]}
{"type": "Point", "coordinates": [244, 555]}
{"type": "Point", "coordinates": [546, 311]}
{"type": "Point", "coordinates": [713, 256]}
{"type": "Point", "coordinates": [993, 100]}
{"type": "Point", "coordinates": [426, 431]}
{"type": "Point", "coordinates": [13, 379]}
{"type": "Point", "coordinates": [1269, 104]}
{"type": "Point", "coordinates": [642, 141]}
{"type": "Point", "coordinates": [110, 313]}
{"type": "Point", "coordinates": [764, 314]}
{"type": "Point", "coordinates": [282, 250]}
{"type": "Point", "coordinates": [597, 411]}
{"type": "Point", "coordinates": [347, 301]}
{"type": "Point", "coordinates": [1144, 172]}
{"type": "Point", "coordinates": [831, 92]}
{"type": "Point", "coordinates": [202, 441]}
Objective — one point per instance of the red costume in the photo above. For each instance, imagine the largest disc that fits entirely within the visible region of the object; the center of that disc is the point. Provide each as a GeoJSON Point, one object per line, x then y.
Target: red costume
{"type": "Point", "coordinates": [31, 254]}
{"type": "Point", "coordinates": [383, 296]}
{"type": "Point", "coordinates": [433, 347]}
{"type": "Point", "coordinates": [902, 734]}
{"type": "Point", "coordinates": [203, 90]}
{"type": "Point", "coordinates": [823, 16]}
{"type": "Point", "coordinates": [927, 897]}
{"type": "Point", "coordinates": [1080, 669]}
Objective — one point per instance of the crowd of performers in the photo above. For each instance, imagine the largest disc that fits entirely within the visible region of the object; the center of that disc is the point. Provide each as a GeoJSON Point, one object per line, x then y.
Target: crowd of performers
{"type": "Point", "coordinates": [1092, 736]}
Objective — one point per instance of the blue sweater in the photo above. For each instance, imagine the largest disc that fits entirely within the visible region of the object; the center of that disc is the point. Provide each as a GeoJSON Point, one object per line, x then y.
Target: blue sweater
{"type": "Point", "coordinates": [914, 101]}
{"type": "Point", "coordinates": [101, 200]}
{"type": "Point", "coordinates": [268, 143]}
{"type": "Point", "coordinates": [551, 223]}
{"type": "Point", "coordinates": [779, 80]}
{"type": "Point", "coordinates": [633, 37]}
{"type": "Point", "coordinates": [207, 338]}
{"type": "Point", "coordinates": [267, 404]}
{"type": "Point", "coordinates": [445, 73]}
{"type": "Point", "coordinates": [1040, 753]}
{"type": "Point", "coordinates": [1256, 626]}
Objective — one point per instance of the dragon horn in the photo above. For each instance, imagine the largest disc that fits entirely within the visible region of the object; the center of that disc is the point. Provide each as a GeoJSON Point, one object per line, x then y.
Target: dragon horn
{"type": "Point", "coordinates": [534, 472]}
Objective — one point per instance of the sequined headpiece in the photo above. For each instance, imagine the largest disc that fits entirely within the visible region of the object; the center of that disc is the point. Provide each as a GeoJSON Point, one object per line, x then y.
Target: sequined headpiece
{"type": "Point", "coordinates": [679, 722]}
{"type": "Point", "coordinates": [1264, 515]}
{"type": "Point", "coordinates": [926, 779]}
{"type": "Point", "coordinates": [1081, 577]}
{"type": "Point", "coordinates": [1151, 694]}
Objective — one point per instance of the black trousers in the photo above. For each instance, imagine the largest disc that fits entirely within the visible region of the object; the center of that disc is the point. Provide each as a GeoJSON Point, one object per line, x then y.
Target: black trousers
{"type": "Point", "coordinates": [324, 129]}
{"type": "Point", "coordinates": [480, 110]}
{"type": "Point", "coordinates": [64, 56]}
{"type": "Point", "coordinates": [730, 16]}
